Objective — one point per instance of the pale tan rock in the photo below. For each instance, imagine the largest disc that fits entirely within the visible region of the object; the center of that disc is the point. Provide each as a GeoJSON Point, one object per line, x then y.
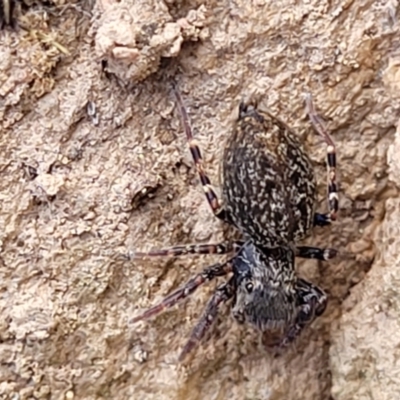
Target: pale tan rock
{"type": "Point", "coordinates": [365, 355]}
{"type": "Point", "coordinates": [134, 34]}
{"type": "Point", "coordinates": [124, 181]}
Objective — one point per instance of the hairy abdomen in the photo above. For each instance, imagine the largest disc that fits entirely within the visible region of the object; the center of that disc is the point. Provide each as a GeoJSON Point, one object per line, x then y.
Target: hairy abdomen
{"type": "Point", "coordinates": [269, 188]}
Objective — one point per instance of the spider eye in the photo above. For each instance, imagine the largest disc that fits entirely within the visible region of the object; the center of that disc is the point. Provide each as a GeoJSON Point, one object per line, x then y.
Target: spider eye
{"type": "Point", "coordinates": [249, 287]}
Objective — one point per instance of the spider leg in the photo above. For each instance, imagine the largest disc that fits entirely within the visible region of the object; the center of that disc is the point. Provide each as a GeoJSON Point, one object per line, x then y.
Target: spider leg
{"type": "Point", "coordinates": [315, 253]}
{"type": "Point", "coordinates": [209, 273]}
{"type": "Point", "coordinates": [222, 294]}
{"type": "Point", "coordinates": [322, 219]}
{"type": "Point", "coordinates": [333, 197]}
{"type": "Point", "coordinates": [312, 302]}
{"type": "Point", "coordinates": [209, 192]}
{"type": "Point", "coordinates": [6, 13]}
{"type": "Point", "coordinates": [175, 251]}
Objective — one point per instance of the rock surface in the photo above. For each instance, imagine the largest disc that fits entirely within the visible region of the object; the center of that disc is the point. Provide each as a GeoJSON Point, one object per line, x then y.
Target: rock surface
{"type": "Point", "coordinates": [94, 165]}
{"type": "Point", "coordinates": [365, 356]}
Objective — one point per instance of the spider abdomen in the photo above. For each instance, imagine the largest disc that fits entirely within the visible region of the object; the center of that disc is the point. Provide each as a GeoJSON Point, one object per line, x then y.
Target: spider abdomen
{"type": "Point", "coordinates": [268, 181]}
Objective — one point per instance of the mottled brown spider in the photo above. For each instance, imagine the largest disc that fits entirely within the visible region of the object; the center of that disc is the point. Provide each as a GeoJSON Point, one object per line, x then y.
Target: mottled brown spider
{"type": "Point", "coordinates": [269, 194]}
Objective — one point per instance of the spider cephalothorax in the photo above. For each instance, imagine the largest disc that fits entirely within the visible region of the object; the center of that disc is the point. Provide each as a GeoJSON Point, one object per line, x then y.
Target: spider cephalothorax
{"type": "Point", "coordinates": [269, 195]}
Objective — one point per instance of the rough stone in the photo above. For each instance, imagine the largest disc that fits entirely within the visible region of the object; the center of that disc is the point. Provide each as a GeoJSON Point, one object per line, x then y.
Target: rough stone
{"type": "Point", "coordinates": [80, 191]}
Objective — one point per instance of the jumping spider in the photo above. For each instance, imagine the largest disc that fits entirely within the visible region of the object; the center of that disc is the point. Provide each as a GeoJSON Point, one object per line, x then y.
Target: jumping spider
{"type": "Point", "coordinates": [269, 194]}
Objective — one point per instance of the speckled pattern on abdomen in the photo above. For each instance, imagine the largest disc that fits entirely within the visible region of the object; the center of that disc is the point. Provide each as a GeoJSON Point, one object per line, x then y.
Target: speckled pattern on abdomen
{"type": "Point", "coordinates": [269, 187]}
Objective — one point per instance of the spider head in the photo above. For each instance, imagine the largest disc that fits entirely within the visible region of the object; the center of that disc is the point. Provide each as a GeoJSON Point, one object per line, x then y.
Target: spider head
{"type": "Point", "coordinates": [265, 293]}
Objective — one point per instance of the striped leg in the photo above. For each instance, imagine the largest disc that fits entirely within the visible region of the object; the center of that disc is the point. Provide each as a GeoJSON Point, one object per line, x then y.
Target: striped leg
{"type": "Point", "coordinates": [211, 196]}
{"type": "Point", "coordinates": [176, 251]}
{"type": "Point", "coordinates": [333, 198]}
{"type": "Point", "coordinates": [226, 248]}
{"type": "Point", "coordinates": [6, 13]}
{"type": "Point", "coordinates": [223, 293]}
{"type": "Point", "coordinates": [315, 253]}
{"type": "Point", "coordinates": [208, 274]}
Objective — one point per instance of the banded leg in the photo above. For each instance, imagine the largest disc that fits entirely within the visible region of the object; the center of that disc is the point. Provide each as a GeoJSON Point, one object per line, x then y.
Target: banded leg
{"type": "Point", "coordinates": [313, 302]}
{"type": "Point", "coordinates": [211, 196]}
{"type": "Point", "coordinates": [229, 247]}
{"type": "Point", "coordinates": [219, 269]}
{"type": "Point", "coordinates": [333, 197]}
{"type": "Point", "coordinates": [222, 294]}
{"type": "Point", "coordinates": [176, 251]}
{"type": "Point", "coordinates": [6, 13]}
{"type": "Point", "coordinates": [315, 253]}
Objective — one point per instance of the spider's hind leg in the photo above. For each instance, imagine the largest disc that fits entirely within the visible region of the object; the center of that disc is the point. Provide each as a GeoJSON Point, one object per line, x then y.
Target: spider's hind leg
{"type": "Point", "coordinates": [6, 13]}
{"type": "Point", "coordinates": [333, 198]}
{"type": "Point", "coordinates": [209, 192]}
{"type": "Point", "coordinates": [315, 253]}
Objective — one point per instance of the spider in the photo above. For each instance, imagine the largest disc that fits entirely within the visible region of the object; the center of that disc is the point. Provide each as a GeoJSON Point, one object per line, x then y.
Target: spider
{"type": "Point", "coordinates": [269, 195]}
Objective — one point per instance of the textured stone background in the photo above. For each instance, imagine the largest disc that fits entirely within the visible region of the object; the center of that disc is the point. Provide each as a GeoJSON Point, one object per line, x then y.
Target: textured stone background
{"type": "Point", "coordinates": [77, 191]}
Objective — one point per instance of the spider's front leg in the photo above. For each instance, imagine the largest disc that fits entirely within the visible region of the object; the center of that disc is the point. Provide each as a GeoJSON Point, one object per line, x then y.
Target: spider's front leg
{"type": "Point", "coordinates": [219, 269]}
{"type": "Point", "coordinates": [222, 294]}
{"type": "Point", "coordinates": [312, 303]}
